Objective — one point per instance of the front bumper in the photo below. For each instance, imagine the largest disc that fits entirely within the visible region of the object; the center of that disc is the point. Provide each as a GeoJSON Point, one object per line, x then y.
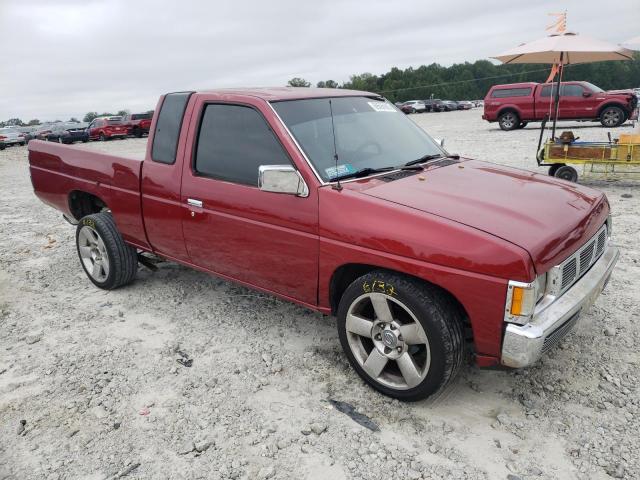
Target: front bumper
{"type": "Point", "coordinates": [523, 345]}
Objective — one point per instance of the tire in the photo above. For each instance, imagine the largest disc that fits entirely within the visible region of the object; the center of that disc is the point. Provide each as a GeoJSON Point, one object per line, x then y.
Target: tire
{"type": "Point", "coordinates": [107, 260]}
{"type": "Point", "coordinates": [137, 133]}
{"type": "Point", "coordinates": [523, 124]}
{"type": "Point", "coordinates": [554, 168]}
{"type": "Point", "coordinates": [22, 144]}
{"type": "Point", "coordinates": [385, 358]}
{"type": "Point", "coordinates": [102, 138]}
{"type": "Point", "coordinates": [612, 117]}
{"type": "Point", "coordinates": [2, 146]}
{"type": "Point", "coordinates": [565, 172]}
{"type": "Point", "coordinates": [508, 120]}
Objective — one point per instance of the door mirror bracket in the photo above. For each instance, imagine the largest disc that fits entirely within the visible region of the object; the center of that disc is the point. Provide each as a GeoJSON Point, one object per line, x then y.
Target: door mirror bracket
{"type": "Point", "coordinates": [282, 179]}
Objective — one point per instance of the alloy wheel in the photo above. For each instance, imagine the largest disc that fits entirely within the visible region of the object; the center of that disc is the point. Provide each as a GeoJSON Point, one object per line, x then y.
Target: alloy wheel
{"type": "Point", "coordinates": [388, 341]}
{"type": "Point", "coordinates": [93, 254]}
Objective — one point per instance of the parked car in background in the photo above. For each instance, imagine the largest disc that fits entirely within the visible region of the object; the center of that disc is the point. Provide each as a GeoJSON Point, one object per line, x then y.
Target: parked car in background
{"type": "Point", "coordinates": [106, 128]}
{"type": "Point", "coordinates": [138, 124]}
{"type": "Point", "coordinates": [447, 106]}
{"type": "Point", "coordinates": [68, 133]}
{"type": "Point", "coordinates": [431, 103]}
{"type": "Point", "coordinates": [465, 105]}
{"type": "Point", "coordinates": [413, 106]}
{"type": "Point", "coordinates": [11, 136]}
{"type": "Point", "coordinates": [513, 105]}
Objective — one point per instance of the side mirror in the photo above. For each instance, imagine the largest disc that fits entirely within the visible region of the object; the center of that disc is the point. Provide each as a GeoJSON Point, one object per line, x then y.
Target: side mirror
{"type": "Point", "coordinates": [440, 141]}
{"type": "Point", "coordinates": [586, 94]}
{"type": "Point", "coordinates": [282, 179]}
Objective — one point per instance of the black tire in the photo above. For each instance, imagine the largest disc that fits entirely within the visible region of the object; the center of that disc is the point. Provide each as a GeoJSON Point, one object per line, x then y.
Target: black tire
{"type": "Point", "coordinates": [2, 146]}
{"type": "Point", "coordinates": [122, 258]}
{"type": "Point", "coordinates": [137, 133]}
{"type": "Point", "coordinates": [554, 168]}
{"type": "Point", "coordinates": [439, 316]}
{"type": "Point", "coordinates": [509, 120]}
{"type": "Point", "coordinates": [102, 137]}
{"type": "Point", "coordinates": [565, 172]}
{"type": "Point", "coordinates": [612, 116]}
{"type": "Point", "coordinates": [22, 144]}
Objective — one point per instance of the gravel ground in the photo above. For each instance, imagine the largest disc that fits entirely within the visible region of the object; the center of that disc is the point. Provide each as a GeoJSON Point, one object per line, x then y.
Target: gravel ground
{"type": "Point", "coordinates": [91, 386]}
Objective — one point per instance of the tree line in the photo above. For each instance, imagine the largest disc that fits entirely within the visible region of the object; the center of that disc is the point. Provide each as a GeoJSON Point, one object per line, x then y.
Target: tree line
{"type": "Point", "coordinates": [472, 81]}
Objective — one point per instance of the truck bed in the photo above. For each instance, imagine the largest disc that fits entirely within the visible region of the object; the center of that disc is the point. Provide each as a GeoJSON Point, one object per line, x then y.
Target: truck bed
{"type": "Point", "coordinates": [59, 170]}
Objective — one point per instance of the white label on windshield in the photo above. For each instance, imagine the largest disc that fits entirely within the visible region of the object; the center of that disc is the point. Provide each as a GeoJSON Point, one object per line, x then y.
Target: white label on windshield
{"type": "Point", "coordinates": [381, 107]}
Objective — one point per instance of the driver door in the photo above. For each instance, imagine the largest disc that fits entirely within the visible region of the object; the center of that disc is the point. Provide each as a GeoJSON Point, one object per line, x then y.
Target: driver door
{"type": "Point", "coordinates": [231, 227]}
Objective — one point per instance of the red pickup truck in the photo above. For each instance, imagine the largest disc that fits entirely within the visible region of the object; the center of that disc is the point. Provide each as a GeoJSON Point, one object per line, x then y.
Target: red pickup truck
{"type": "Point", "coordinates": [335, 200]}
{"type": "Point", "coordinates": [138, 124]}
{"type": "Point", "coordinates": [512, 106]}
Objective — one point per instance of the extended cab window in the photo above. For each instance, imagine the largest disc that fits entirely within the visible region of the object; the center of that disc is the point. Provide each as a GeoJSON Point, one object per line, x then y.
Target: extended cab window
{"type": "Point", "coordinates": [511, 92]}
{"type": "Point", "coordinates": [233, 142]}
{"type": "Point", "coordinates": [167, 133]}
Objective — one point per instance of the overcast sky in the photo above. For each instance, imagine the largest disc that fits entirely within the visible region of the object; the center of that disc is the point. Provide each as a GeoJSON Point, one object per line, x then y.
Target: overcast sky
{"type": "Point", "coordinates": [62, 58]}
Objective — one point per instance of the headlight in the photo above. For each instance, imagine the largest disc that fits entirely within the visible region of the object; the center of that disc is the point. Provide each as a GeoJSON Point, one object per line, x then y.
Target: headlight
{"type": "Point", "coordinates": [522, 299]}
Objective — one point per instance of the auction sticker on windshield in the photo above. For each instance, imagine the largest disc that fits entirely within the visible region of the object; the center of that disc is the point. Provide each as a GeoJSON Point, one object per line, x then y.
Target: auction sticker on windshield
{"type": "Point", "coordinates": [381, 107]}
{"type": "Point", "coordinates": [340, 170]}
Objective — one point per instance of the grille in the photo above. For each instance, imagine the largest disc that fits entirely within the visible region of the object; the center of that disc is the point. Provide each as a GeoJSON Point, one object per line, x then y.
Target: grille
{"type": "Point", "coordinates": [554, 337]}
{"type": "Point", "coordinates": [570, 271]}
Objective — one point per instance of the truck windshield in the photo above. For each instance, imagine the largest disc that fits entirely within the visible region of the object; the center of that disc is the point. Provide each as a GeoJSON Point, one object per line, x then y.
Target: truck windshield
{"type": "Point", "coordinates": [369, 133]}
{"type": "Point", "coordinates": [593, 87]}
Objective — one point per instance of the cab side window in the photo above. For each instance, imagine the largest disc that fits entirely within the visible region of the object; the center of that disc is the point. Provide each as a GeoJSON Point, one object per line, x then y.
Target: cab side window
{"type": "Point", "coordinates": [233, 141]}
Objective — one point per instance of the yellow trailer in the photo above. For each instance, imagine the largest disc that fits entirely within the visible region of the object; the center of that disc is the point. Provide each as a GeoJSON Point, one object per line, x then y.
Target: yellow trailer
{"type": "Point", "coordinates": [613, 157]}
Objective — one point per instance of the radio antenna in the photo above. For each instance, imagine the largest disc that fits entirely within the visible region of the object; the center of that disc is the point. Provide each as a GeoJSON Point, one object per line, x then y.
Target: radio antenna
{"type": "Point", "coordinates": [337, 186]}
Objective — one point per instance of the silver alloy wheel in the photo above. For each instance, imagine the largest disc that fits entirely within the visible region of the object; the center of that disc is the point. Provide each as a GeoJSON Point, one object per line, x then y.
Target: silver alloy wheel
{"type": "Point", "coordinates": [388, 341]}
{"type": "Point", "coordinates": [93, 254]}
{"type": "Point", "coordinates": [508, 120]}
{"type": "Point", "coordinates": [611, 117]}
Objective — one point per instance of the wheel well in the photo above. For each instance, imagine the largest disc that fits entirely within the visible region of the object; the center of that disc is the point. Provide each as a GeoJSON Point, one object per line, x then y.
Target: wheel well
{"type": "Point", "coordinates": [83, 203]}
{"type": "Point", "coordinates": [346, 274]}
{"type": "Point", "coordinates": [614, 104]}
{"type": "Point", "coordinates": [508, 109]}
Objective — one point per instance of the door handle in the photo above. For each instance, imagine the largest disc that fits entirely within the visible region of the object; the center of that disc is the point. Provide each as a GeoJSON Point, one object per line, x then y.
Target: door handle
{"type": "Point", "coordinates": [194, 203]}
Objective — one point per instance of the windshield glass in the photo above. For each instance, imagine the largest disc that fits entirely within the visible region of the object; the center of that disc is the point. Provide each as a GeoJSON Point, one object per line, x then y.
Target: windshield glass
{"type": "Point", "coordinates": [593, 87]}
{"type": "Point", "coordinates": [369, 133]}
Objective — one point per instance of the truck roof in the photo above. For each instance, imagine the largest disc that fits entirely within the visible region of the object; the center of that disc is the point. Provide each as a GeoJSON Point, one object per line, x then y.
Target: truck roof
{"type": "Point", "coordinates": [516, 85]}
{"type": "Point", "coordinates": [289, 93]}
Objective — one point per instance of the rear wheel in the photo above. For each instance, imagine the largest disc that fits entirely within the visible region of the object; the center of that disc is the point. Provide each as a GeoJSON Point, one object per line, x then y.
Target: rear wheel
{"type": "Point", "coordinates": [403, 337]}
{"type": "Point", "coordinates": [509, 120]}
{"type": "Point", "coordinates": [102, 137]}
{"type": "Point", "coordinates": [612, 117]}
{"type": "Point", "coordinates": [565, 172]}
{"type": "Point", "coordinates": [107, 260]}
{"type": "Point", "coordinates": [2, 146]}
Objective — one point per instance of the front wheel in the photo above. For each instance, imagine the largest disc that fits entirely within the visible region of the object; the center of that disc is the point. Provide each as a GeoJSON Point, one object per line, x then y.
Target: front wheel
{"type": "Point", "coordinates": [565, 172]}
{"type": "Point", "coordinates": [554, 168]}
{"type": "Point", "coordinates": [509, 121]}
{"type": "Point", "coordinates": [402, 336]}
{"type": "Point", "coordinates": [612, 117]}
{"type": "Point", "coordinates": [107, 260]}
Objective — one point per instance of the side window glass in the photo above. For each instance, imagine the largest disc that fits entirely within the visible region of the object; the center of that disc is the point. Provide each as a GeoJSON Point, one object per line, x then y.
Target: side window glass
{"type": "Point", "coordinates": [233, 142]}
{"type": "Point", "coordinates": [167, 132]}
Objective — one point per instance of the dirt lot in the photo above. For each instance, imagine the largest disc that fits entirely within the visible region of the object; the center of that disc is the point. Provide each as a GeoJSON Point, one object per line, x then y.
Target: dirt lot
{"type": "Point", "coordinates": [90, 386]}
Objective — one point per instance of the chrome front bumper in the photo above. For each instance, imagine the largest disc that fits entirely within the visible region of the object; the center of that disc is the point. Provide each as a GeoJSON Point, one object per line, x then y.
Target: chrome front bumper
{"type": "Point", "coordinates": [523, 345]}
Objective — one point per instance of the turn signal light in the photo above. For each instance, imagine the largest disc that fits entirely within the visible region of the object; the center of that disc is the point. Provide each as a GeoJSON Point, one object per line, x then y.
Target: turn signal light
{"type": "Point", "coordinates": [516, 301]}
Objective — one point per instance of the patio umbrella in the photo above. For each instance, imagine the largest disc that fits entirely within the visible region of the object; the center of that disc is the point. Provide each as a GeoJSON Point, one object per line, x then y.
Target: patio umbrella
{"type": "Point", "coordinates": [564, 49]}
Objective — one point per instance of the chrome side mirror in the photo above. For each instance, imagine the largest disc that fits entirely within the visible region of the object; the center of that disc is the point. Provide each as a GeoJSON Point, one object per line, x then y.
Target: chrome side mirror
{"type": "Point", "coordinates": [282, 179]}
{"type": "Point", "coordinates": [440, 141]}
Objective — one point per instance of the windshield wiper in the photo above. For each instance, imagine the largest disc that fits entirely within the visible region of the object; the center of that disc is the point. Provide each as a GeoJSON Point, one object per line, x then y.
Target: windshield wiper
{"type": "Point", "coordinates": [424, 158]}
{"type": "Point", "coordinates": [363, 172]}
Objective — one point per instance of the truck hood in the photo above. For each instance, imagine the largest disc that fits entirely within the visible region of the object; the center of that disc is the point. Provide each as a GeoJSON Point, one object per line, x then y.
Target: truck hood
{"type": "Point", "coordinates": [549, 218]}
